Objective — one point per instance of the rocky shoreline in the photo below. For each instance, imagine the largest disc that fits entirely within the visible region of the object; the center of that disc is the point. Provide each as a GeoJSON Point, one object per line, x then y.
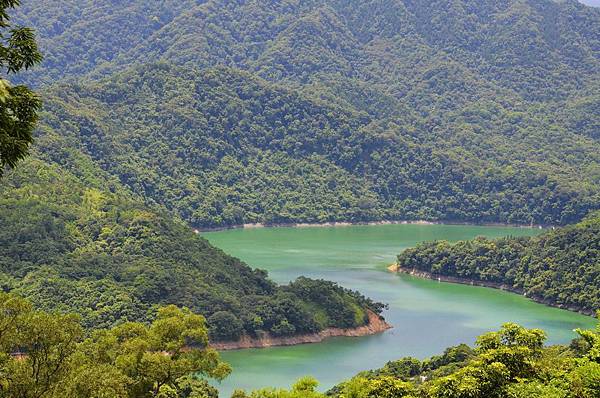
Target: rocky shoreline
{"type": "Point", "coordinates": [376, 325]}
{"type": "Point", "coordinates": [493, 285]}
{"type": "Point", "coordinates": [351, 223]}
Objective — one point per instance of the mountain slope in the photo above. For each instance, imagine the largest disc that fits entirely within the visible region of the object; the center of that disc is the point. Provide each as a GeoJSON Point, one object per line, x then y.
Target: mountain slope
{"type": "Point", "coordinates": [87, 245]}
{"type": "Point", "coordinates": [222, 147]}
{"type": "Point", "coordinates": [408, 110]}
{"type": "Point", "coordinates": [557, 50]}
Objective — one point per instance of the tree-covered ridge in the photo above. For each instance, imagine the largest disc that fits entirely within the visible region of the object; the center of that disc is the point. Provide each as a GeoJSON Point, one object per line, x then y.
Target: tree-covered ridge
{"type": "Point", "coordinates": [303, 40]}
{"type": "Point", "coordinates": [560, 267]}
{"type": "Point", "coordinates": [86, 245]}
{"type": "Point", "coordinates": [221, 147]}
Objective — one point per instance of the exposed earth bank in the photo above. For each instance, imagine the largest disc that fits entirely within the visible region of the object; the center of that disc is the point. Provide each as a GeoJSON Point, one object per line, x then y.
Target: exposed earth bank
{"type": "Point", "coordinates": [376, 325]}
{"type": "Point", "coordinates": [352, 223]}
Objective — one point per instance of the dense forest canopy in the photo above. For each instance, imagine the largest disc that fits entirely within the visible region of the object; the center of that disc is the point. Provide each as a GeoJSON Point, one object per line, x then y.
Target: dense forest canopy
{"type": "Point", "coordinates": [47, 355]}
{"type": "Point", "coordinates": [282, 112]}
{"type": "Point", "coordinates": [560, 267]}
{"type": "Point", "coordinates": [84, 244]}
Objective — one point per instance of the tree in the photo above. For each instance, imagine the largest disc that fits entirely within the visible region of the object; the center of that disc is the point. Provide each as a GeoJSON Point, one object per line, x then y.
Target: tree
{"type": "Point", "coordinates": [303, 388]}
{"type": "Point", "coordinates": [380, 387]}
{"type": "Point", "coordinates": [18, 104]}
{"type": "Point", "coordinates": [45, 355]}
{"type": "Point", "coordinates": [36, 348]}
{"type": "Point", "coordinates": [225, 326]}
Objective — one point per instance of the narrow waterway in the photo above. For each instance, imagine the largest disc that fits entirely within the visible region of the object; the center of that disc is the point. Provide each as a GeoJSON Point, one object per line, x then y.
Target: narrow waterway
{"type": "Point", "coordinates": [427, 316]}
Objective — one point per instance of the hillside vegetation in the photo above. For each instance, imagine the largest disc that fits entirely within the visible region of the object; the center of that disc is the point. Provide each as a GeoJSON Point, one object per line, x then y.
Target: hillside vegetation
{"type": "Point", "coordinates": [221, 147]}
{"type": "Point", "coordinates": [560, 267]}
{"type": "Point", "coordinates": [282, 112]}
{"type": "Point", "coordinates": [86, 245]}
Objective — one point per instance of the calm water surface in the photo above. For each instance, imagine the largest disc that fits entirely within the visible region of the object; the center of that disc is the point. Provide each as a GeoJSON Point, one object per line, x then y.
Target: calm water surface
{"type": "Point", "coordinates": [427, 316]}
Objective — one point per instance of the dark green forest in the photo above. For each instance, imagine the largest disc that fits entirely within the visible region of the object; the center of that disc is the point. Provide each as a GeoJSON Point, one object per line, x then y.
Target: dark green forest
{"type": "Point", "coordinates": [84, 245]}
{"type": "Point", "coordinates": [284, 112]}
{"type": "Point", "coordinates": [560, 267]}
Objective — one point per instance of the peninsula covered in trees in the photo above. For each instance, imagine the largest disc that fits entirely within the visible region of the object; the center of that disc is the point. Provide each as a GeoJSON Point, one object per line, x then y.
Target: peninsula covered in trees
{"type": "Point", "coordinates": [561, 267]}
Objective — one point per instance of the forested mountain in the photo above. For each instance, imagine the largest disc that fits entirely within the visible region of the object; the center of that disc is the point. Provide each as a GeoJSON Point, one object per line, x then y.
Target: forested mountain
{"type": "Point", "coordinates": [221, 147]}
{"type": "Point", "coordinates": [560, 267]}
{"type": "Point", "coordinates": [83, 244]}
{"type": "Point", "coordinates": [320, 111]}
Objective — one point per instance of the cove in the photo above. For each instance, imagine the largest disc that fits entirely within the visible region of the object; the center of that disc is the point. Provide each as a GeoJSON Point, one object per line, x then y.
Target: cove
{"type": "Point", "coordinates": [427, 316]}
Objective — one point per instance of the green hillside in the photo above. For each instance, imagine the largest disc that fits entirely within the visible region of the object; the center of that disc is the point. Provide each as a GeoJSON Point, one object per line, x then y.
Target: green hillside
{"type": "Point", "coordinates": [220, 147]}
{"type": "Point", "coordinates": [560, 267]}
{"type": "Point", "coordinates": [84, 244]}
{"type": "Point", "coordinates": [317, 111]}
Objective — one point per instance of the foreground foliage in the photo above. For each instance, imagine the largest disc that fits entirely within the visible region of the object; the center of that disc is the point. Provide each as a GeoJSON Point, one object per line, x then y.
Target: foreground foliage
{"type": "Point", "coordinates": [560, 267]}
{"type": "Point", "coordinates": [47, 355]}
{"type": "Point", "coordinates": [19, 105]}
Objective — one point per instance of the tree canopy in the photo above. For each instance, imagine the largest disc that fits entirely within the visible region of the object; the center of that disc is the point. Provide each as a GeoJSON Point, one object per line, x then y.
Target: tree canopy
{"type": "Point", "coordinates": [19, 105]}
{"type": "Point", "coordinates": [47, 355]}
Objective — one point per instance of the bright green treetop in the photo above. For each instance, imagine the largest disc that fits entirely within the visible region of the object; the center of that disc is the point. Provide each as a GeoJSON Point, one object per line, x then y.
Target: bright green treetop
{"type": "Point", "coordinates": [45, 355]}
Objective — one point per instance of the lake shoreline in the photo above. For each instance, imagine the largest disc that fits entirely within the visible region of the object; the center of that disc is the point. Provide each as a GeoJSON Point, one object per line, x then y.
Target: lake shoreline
{"type": "Point", "coordinates": [493, 285]}
{"type": "Point", "coordinates": [375, 325]}
{"type": "Point", "coordinates": [337, 224]}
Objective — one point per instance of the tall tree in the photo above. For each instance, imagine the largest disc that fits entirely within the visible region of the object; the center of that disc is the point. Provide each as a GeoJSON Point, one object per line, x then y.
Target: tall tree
{"type": "Point", "coordinates": [18, 104]}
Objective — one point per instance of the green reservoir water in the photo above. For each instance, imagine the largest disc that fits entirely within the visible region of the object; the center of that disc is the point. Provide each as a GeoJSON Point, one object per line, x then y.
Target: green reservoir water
{"type": "Point", "coordinates": [427, 316]}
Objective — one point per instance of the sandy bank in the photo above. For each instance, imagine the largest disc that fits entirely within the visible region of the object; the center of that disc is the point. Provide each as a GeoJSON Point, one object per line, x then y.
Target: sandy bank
{"type": "Point", "coordinates": [348, 224]}
{"type": "Point", "coordinates": [376, 325]}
